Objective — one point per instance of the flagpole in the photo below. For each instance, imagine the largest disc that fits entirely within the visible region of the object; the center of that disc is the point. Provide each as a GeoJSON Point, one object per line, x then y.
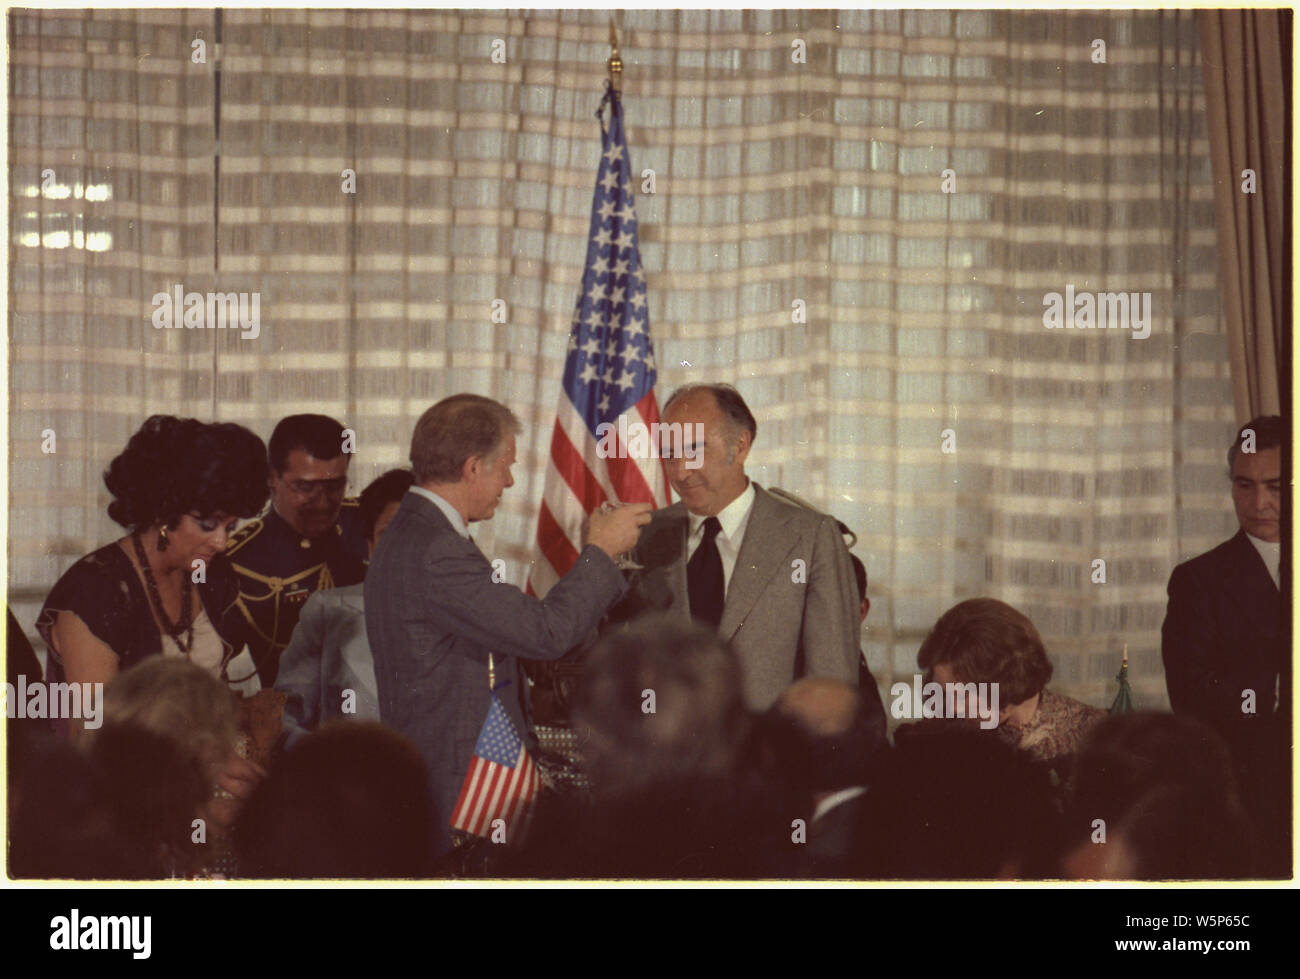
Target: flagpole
{"type": "Point", "coordinates": [615, 63]}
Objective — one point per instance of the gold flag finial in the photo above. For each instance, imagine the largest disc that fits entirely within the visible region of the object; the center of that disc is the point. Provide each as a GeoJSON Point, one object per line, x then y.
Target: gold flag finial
{"type": "Point", "coordinates": [615, 63]}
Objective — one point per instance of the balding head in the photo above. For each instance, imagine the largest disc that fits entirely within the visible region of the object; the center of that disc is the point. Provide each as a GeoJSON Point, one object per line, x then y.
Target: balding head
{"type": "Point", "coordinates": [821, 737]}
{"type": "Point", "coordinates": [825, 708]}
{"type": "Point", "coordinates": [719, 414]}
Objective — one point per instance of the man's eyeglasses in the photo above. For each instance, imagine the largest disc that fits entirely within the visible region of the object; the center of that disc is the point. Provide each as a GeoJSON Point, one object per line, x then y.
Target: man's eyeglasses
{"type": "Point", "coordinates": [311, 487]}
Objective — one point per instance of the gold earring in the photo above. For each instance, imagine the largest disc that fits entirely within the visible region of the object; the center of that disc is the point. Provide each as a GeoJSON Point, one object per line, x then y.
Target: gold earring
{"type": "Point", "coordinates": [162, 538]}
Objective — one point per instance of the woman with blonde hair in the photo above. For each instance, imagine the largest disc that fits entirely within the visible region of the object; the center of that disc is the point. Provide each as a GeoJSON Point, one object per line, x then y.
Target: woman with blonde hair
{"type": "Point", "coordinates": [169, 731]}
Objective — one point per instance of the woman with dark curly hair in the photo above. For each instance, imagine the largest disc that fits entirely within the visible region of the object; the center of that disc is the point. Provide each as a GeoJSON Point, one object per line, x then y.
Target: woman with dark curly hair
{"type": "Point", "coordinates": [178, 487]}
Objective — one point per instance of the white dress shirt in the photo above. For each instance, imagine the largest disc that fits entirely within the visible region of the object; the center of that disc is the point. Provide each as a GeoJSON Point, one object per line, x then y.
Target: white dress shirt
{"type": "Point", "coordinates": [1271, 552]}
{"type": "Point", "coordinates": [448, 511]}
{"type": "Point", "coordinates": [734, 518]}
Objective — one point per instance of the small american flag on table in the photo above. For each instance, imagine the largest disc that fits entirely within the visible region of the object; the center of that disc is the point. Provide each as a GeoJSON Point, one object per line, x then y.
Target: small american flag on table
{"type": "Point", "coordinates": [502, 778]}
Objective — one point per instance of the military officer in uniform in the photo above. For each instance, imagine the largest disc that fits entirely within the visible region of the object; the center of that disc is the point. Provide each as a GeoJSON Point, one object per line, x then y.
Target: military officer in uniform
{"type": "Point", "coordinates": [310, 537]}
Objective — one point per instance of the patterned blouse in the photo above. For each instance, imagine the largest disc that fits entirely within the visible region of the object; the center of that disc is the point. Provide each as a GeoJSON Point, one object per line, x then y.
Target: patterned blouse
{"type": "Point", "coordinates": [1056, 730]}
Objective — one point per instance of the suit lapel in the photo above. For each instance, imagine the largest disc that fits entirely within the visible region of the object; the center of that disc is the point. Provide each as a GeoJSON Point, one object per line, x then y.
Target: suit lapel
{"type": "Point", "coordinates": [678, 587]}
{"type": "Point", "coordinates": [763, 553]}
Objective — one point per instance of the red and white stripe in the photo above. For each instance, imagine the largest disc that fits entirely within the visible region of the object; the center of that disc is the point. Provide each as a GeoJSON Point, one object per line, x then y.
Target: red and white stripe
{"type": "Point", "coordinates": [493, 791]}
{"type": "Point", "coordinates": [578, 481]}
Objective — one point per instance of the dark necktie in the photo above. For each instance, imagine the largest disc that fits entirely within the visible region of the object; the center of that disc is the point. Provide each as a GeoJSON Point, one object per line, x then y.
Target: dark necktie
{"type": "Point", "coordinates": [704, 580]}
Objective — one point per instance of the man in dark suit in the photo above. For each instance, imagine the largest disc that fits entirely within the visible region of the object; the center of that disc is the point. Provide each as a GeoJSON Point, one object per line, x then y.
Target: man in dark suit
{"type": "Point", "coordinates": [826, 747]}
{"type": "Point", "coordinates": [1223, 640]}
{"type": "Point", "coordinates": [435, 614]}
{"type": "Point", "coordinates": [772, 578]}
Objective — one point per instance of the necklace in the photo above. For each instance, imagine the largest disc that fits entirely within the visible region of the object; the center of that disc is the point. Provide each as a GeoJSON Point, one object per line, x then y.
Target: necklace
{"type": "Point", "coordinates": [183, 625]}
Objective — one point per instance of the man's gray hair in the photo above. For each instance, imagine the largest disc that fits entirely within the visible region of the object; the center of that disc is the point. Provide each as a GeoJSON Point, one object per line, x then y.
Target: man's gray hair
{"type": "Point", "coordinates": [456, 429]}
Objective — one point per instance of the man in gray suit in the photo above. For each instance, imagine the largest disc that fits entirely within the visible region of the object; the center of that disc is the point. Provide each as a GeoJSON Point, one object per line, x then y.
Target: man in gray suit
{"type": "Point", "coordinates": [434, 614]}
{"type": "Point", "coordinates": [774, 579]}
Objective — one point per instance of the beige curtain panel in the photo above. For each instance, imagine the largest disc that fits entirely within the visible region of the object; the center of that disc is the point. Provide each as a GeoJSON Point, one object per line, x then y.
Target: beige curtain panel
{"type": "Point", "coordinates": [855, 216]}
{"type": "Point", "coordinates": [1247, 56]}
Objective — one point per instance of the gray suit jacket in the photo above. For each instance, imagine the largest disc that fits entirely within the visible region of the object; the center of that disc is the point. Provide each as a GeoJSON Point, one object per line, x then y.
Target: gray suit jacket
{"type": "Point", "coordinates": [433, 614]}
{"type": "Point", "coordinates": [327, 655]}
{"type": "Point", "coordinates": [783, 622]}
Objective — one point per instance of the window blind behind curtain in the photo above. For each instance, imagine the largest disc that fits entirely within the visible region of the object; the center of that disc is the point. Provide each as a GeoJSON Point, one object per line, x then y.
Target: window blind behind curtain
{"type": "Point", "coordinates": [776, 180]}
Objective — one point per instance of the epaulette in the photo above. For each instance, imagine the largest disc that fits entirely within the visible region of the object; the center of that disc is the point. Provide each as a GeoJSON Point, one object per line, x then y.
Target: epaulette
{"type": "Point", "coordinates": [351, 502]}
{"type": "Point", "coordinates": [243, 535]}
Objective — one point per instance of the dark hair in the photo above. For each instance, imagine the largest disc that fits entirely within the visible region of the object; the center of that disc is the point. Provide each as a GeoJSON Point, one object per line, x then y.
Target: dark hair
{"type": "Point", "coordinates": [319, 436]}
{"type": "Point", "coordinates": [860, 573]}
{"type": "Point", "coordinates": [730, 403]}
{"type": "Point", "coordinates": [1164, 784]}
{"type": "Point", "coordinates": [154, 788]}
{"type": "Point", "coordinates": [173, 466]}
{"type": "Point", "coordinates": [1268, 435]}
{"type": "Point", "coordinates": [388, 488]}
{"type": "Point", "coordinates": [121, 808]}
{"type": "Point", "coordinates": [987, 641]}
{"type": "Point", "coordinates": [957, 803]}
{"type": "Point", "coordinates": [351, 800]}
{"type": "Point", "coordinates": [699, 719]}
{"type": "Point", "coordinates": [455, 430]}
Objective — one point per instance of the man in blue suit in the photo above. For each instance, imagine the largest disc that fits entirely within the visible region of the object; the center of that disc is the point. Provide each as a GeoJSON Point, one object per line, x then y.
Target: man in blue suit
{"type": "Point", "coordinates": [434, 612]}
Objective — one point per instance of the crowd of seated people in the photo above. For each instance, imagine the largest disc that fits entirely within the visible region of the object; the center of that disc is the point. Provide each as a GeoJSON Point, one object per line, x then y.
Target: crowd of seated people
{"type": "Point", "coordinates": [698, 787]}
{"type": "Point", "coordinates": [683, 777]}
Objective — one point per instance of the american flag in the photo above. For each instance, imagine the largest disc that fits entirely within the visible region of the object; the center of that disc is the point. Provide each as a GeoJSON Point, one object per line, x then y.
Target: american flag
{"type": "Point", "coordinates": [609, 372]}
{"type": "Point", "coordinates": [501, 780]}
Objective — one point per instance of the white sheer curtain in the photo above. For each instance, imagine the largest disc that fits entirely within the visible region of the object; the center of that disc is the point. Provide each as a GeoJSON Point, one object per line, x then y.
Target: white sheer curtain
{"type": "Point", "coordinates": [110, 193]}
{"type": "Point", "coordinates": [798, 158]}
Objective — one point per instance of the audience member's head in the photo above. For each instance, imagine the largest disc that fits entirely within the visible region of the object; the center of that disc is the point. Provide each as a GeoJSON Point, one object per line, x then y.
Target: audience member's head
{"type": "Point", "coordinates": [351, 800]}
{"type": "Point", "coordinates": [126, 805]}
{"type": "Point", "coordinates": [956, 802]}
{"type": "Point", "coordinates": [309, 457]}
{"type": "Point", "coordinates": [191, 720]}
{"type": "Point", "coordinates": [1154, 796]}
{"type": "Point", "coordinates": [181, 476]}
{"type": "Point", "coordinates": [667, 743]}
{"type": "Point", "coordinates": [380, 501]}
{"type": "Point", "coordinates": [172, 698]}
{"type": "Point", "coordinates": [63, 823]}
{"type": "Point", "coordinates": [982, 640]}
{"type": "Point", "coordinates": [659, 702]}
{"type": "Point", "coordinates": [820, 737]}
{"type": "Point", "coordinates": [1255, 466]}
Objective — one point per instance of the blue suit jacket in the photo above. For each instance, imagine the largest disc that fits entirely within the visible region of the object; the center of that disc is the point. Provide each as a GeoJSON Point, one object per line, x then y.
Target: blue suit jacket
{"type": "Point", "coordinates": [433, 614]}
{"type": "Point", "coordinates": [327, 655]}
